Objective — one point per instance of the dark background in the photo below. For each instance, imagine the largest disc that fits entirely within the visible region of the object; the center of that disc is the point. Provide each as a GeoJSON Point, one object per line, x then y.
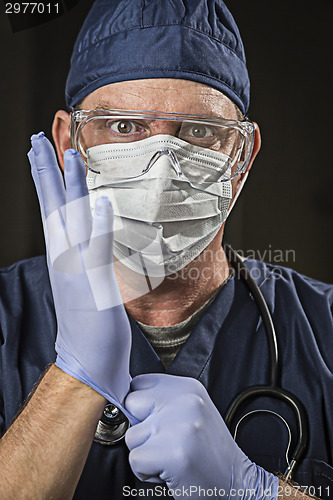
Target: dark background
{"type": "Point", "coordinates": [287, 201]}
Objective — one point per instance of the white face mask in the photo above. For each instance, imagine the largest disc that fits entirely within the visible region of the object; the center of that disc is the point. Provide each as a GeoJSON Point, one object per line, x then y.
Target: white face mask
{"type": "Point", "coordinates": [163, 220]}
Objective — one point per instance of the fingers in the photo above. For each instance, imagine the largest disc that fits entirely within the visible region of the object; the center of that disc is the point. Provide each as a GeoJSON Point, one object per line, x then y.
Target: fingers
{"type": "Point", "coordinates": [65, 212]}
{"type": "Point", "coordinates": [101, 242]}
{"type": "Point", "coordinates": [147, 381]}
{"type": "Point", "coordinates": [145, 452]}
{"type": "Point", "coordinates": [99, 261]}
{"type": "Point", "coordinates": [51, 185]}
{"type": "Point", "coordinates": [76, 212]}
{"type": "Point", "coordinates": [31, 157]}
{"type": "Point", "coordinates": [140, 403]}
{"type": "Point", "coordinates": [138, 434]}
{"type": "Point", "coordinates": [69, 231]}
{"type": "Point", "coordinates": [51, 193]}
{"type": "Point", "coordinates": [151, 391]}
{"type": "Point", "coordinates": [145, 462]}
{"type": "Point", "coordinates": [75, 175]}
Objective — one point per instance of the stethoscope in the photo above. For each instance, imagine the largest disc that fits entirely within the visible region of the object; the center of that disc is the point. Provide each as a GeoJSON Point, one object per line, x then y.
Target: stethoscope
{"type": "Point", "coordinates": [113, 424]}
{"type": "Point", "coordinates": [272, 389]}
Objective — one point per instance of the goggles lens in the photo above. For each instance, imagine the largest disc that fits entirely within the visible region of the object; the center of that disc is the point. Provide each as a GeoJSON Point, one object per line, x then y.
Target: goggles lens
{"type": "Point", "coordinates": [232, 138]}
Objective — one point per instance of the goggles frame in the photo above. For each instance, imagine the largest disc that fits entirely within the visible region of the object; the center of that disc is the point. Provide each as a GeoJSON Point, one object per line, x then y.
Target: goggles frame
{"type": "Point", "coordinates": [79, 118]}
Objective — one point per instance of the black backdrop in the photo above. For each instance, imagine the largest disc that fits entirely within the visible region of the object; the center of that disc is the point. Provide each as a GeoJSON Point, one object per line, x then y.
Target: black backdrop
{"type": "Point", "coordinates": [285, 211]}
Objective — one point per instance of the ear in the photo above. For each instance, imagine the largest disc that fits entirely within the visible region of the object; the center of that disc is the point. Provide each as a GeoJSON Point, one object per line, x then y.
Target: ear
{"type": "Point", "coordinates": [237, 182]}
{"type": "Point", "coordinates": [61, 133]}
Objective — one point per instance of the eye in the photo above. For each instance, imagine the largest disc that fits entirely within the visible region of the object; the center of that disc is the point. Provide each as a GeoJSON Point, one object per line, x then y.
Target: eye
{"type": "Point", "coordinates": [123, 130]}
{"type": "Point", "coordinates": [200, 131]}
{"type": "Point", "coordinates": [198, 134]}
{"type": "Point", "coordinates": [123, 127]}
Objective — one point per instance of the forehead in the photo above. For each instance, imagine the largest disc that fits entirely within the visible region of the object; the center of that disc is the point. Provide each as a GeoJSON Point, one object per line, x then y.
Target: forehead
{"type": "Point", "coordinates": [162, 94]}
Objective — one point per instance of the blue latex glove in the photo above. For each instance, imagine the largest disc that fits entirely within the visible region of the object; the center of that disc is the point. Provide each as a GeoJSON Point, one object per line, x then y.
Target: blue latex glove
{"type": "Point", "coordinates": [183, 441]}
{"type": "Point", "coordinates": [94, 337]}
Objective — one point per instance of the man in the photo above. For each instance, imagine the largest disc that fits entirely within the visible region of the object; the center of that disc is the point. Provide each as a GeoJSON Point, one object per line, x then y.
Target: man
{"type": "Point", "coordinates": [160, 90]}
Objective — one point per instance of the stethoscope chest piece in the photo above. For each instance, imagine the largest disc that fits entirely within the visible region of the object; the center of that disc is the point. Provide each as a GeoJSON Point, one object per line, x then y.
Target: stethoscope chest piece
{"type": "Point", "coordinates": [112, 426]}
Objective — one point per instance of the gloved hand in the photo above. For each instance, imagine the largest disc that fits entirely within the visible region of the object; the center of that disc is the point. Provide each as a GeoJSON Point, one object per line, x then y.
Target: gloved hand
{"type": "Point", "coordinates": [183, 441]}
{"type": "Point", "coordinates": [94, 336]}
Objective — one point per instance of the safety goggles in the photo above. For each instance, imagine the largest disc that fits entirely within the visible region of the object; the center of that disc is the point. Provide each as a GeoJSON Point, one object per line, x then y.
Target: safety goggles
{"type": "Point", "coordinates": [231, 139]}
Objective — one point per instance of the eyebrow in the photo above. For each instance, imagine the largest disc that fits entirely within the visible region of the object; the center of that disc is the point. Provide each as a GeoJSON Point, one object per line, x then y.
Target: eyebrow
{"type": "Point", "coordinates": [102, 105]}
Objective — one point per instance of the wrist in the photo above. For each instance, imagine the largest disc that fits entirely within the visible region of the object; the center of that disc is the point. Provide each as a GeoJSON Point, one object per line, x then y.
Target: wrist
{"type": "Point", "coordinates": [74, 387]}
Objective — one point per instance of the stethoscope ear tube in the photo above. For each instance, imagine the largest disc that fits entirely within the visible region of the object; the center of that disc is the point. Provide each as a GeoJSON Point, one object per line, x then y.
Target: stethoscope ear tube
{"type": "Point", "coordinates": [257, 391]}
{"type": "Point", "coordinates": [241, 269]}
{"type": "Point", "coordinates": [271, 390]}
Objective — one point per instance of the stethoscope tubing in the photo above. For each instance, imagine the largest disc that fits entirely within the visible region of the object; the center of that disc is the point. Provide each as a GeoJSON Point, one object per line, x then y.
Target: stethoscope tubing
{"type": "Point", "coordinates": [272, 389]}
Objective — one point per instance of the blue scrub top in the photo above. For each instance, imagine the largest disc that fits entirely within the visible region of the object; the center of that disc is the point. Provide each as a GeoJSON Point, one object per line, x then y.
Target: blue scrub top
{"type": "Point", "coordinates": [227, 351]}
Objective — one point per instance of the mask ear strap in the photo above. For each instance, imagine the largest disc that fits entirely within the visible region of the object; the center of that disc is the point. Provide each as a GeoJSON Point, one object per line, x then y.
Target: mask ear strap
{"type": "Point", "coordinates": [238, 193]}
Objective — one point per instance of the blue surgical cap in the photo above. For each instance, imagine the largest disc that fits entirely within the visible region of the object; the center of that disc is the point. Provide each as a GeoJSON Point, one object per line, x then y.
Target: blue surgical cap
{"type": "Point", "coordinates": [194, 40]}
